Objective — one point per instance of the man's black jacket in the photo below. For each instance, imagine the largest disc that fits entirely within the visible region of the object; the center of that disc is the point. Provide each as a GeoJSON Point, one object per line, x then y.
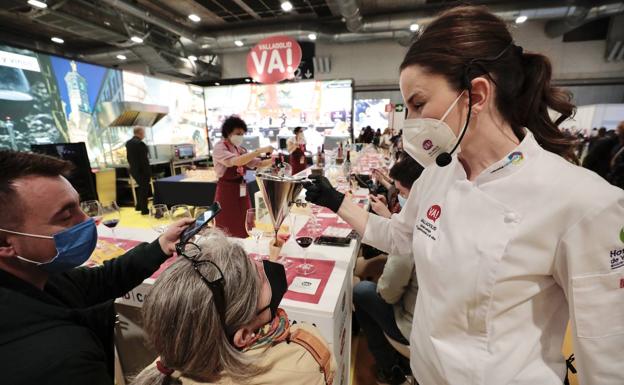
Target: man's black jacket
{"type": "Point", "coordinates": [63, 335]}
{"type": "Point", "coordinates": [138, 159]}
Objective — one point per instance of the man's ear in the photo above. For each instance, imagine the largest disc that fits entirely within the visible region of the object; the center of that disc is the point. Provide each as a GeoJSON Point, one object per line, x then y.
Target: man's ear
{"type": "Point", "coordinates": [6, 249]}
{"type": "Point", "coordinates": [243, 337]}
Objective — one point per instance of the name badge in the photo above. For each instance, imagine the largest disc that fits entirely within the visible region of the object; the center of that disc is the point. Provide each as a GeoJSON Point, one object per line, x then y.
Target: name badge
{"type": "Point", "coordinates": [243, 190]}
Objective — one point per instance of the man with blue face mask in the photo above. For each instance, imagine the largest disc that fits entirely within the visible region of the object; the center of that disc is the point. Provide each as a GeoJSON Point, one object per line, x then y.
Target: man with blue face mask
{"type": "Point", "coordinates": [57, 323]}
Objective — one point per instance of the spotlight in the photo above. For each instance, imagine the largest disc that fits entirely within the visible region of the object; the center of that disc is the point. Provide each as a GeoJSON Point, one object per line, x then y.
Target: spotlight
{"type": "Point", "coordinates": [312, 36]}
{"type": "Point", "coordinates": [521, 19]}
{"type": "Point", "coordinates": [194, 18]}
{"type": "Point", "coordinates": [58, 40]}
{"type": "Point", "coordinates": [136, 39]}
{"type": "Point", "coordinates": [239, 43]}
{"type": "Point", "coordinates": [121, 57]}
{"type": "Point", "coordinates": [38, 4]}
{"type": "Point", "coordinates": [414, 27]}
{"type": "Point", "coordinates": [287, 6]}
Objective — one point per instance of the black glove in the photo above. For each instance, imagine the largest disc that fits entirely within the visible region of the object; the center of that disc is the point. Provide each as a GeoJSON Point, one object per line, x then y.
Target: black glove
{"type": "Point", "coordinates": [322, 193]}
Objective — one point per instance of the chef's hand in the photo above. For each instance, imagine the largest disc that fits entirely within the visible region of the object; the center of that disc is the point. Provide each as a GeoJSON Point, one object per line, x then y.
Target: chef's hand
{"type": "Point", "coordinates": [379, 206]}
{"type": "Point", "coordinates": [171, 236]}
{"type": "Point", "coordinates": [322, 193]}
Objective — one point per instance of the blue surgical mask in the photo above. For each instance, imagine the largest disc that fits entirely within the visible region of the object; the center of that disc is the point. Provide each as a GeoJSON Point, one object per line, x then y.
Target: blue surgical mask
{"type": "Point", "coordinates": [73, 246]}
{"type": "Point", "coordinates": [401, 200]}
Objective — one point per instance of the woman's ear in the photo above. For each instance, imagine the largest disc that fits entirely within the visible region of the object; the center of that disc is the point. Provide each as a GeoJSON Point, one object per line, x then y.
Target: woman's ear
{"type": "Point", "coordinates": [243, 337]}
{"type": "Point", "coordinates": [480, 93]}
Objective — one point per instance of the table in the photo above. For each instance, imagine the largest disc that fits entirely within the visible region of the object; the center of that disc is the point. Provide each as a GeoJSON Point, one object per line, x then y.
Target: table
{"type": "Point", "coordinates": [332, 314]}
{"type": "Point", "coordinates": [180, 189]}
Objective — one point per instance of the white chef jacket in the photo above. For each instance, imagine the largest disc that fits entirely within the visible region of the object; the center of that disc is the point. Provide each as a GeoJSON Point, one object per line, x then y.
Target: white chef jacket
{"type": "Point", "coordinates": [503, 262]}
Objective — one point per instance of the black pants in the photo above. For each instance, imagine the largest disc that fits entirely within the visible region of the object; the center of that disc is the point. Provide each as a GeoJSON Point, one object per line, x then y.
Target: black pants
{"type": "Point", "coordinates": [142, 193]}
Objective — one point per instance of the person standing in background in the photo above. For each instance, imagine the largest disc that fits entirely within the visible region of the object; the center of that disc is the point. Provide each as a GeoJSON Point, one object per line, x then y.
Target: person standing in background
{"type": "Point", "coordinates": [231, 161]}
{"type": "Point", "coordinates": [138, 160]}
{"type": "Point", "coordinates": [296, 146]}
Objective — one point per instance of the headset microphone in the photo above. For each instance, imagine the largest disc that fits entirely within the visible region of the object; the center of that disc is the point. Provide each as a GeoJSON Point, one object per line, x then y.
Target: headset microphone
{"type": "Point", "coordinates": [444, 159]}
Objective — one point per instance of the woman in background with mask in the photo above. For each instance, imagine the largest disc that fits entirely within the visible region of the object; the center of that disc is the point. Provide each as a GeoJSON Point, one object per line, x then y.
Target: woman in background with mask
{"type": "Point", "coordinates": [510, 239]}
{"type": "Point", "coordinates": [387, 307]}
{"type": "Point", "coordinates": [213, 318]}
{"type": "Point", "coordinates": [231, 161]}
{"type": "Point", "coordinates": [296, 147]}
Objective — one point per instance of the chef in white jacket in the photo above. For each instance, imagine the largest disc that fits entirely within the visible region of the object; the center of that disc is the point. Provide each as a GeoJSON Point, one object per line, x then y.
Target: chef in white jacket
{"type": "Point", "coordinates": [510, 238]}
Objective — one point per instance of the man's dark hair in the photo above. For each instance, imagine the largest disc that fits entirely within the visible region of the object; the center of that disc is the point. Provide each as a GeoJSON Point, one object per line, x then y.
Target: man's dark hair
{"type": "Point", "coordinates": [232, 123]}
{"type": "Point", "coordinates": [297, 130]}
{"type": "Point", "coordinates": [15, 165]}
{"type": "Point", "coordinates": [406, 170]}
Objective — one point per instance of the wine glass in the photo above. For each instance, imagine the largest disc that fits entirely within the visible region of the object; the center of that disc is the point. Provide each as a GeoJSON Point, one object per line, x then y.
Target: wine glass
{"type": "Point", "coordinates": [160, 217]}
{"type": "Point", "coordinates": [179, 212]}
{"type": "Point", "coordinates": [93, 209]}
{"type": "Point", "coordinates": [251, 226]}
{"type": "Point", "coordinates": [110, 218]}
{"type": "Point", "coordinates": [305, 240]}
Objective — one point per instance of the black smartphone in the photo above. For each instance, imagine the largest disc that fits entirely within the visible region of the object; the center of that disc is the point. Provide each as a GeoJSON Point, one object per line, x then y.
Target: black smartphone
{"type": "Point", "coordinates": [364, 184]}
{"type": "Point", "coordinates": [200, 222]}
{"type": "Point", "coordinates": [333, 241]}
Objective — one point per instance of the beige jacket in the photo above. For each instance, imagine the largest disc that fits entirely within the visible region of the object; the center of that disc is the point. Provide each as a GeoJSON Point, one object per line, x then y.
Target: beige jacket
{"type": "Point", "coordinates": [398, 286]}
{"type": "Point", "coordinates": [292, 363]}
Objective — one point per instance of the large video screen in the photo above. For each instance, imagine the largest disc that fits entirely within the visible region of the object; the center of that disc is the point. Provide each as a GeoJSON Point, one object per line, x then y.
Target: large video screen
{"type": "Point", "coordinates": [271, 111]}
{"type": "Point", "coordinates": [369, 112]}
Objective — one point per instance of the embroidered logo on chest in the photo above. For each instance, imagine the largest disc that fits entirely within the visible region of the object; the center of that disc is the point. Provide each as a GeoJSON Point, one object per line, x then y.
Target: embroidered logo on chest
{"type": "Point", "coordinates": [427, 225]}
{"type": "Point", "coordinates": [617, 256]}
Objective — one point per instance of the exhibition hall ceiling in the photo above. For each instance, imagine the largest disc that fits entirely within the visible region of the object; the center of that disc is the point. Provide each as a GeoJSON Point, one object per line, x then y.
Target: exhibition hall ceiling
{"type": "Point", "coordinates": [185, 38]}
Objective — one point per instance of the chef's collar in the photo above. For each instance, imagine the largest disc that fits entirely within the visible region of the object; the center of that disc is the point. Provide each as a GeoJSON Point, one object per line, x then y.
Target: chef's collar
{"type": "Point", "coordinates": [513, 161]}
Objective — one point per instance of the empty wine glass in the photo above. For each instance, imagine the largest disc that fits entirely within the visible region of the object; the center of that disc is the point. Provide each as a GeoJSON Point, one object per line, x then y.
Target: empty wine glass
{"type": "Point", "coordinates": [251, 226]}
{"type": "Point", "coordinates": [93, 209]}
{"type": "Point", "coordinates": [111, 216]}
{"type": "Point", "coordinates": [160, 217]}
{"type": "Point", "coordinates": [179, 212]}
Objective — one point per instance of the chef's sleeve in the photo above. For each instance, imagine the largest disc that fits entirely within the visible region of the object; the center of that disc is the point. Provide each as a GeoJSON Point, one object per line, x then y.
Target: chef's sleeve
{"type": "Point", "coordinates": [394, 235]}
{"type": "Point", "coordinates": [589, 265]}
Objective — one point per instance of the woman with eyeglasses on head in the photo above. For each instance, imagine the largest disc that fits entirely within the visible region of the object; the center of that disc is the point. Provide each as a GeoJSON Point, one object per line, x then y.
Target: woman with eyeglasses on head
{"type": "Point", "coordinates": [213, 318]}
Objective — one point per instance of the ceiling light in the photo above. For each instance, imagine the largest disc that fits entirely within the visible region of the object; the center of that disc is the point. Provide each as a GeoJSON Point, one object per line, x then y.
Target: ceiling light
{"type": "Point", "coordinates": [414, 27]}
{"type": "Point", "coordinates": [194, 18]}
{"type": "Point", "coordinates": [136, 39]}
{"type": "Point", "coordinates": [521, 19]}
{"type": "Point", "coordinates": [247, 80]}
{"type": "Point", "coordinates": [192, 57]}
{"type": "Point", "coordinates": [121, 57]}
{"type": "Point", "coordinates": [312, 36]}
{"type": "Point", "coordinates": [239, 43]}
{"type": "Point", "coordinates": [58, 40]}
{"type": "Point", "coordinates": [107, 23]}
{"type": "Point", "coordinates": [217, 84]}
{"type": "Point", "coordinates": [287, 6]}
{"type": "Point", "coordinates": [38, 4]}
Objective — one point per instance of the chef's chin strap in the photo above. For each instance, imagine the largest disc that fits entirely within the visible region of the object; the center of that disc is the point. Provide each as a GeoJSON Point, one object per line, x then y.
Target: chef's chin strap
{"type": "Point", "coordinates": [569, 368]}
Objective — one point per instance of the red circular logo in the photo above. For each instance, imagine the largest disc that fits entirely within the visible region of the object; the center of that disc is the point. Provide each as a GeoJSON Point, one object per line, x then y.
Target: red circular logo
{"type": "Point", "coordinates": [427, 144]}
{"type": "Point", "coordinates": [434, 212]}
{"type": "Point", "coordinates": [274, 59]}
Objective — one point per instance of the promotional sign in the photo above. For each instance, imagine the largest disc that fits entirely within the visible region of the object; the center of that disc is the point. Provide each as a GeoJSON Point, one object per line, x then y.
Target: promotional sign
{"type": "Point", "coordinates": [274, 59]}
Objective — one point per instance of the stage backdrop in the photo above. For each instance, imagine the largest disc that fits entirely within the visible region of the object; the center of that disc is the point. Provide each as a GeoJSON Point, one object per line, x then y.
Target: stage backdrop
{"type": "Point", "coordinates": [49, 99]}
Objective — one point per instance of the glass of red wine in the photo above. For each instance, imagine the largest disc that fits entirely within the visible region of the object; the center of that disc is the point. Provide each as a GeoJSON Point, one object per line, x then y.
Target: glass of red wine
{"type": "Point", "coordinates": [110, 218]}
{"type": "Point", "coordinates": [93, 209]}
{"type": "Point", "coordinates": [305, 239]}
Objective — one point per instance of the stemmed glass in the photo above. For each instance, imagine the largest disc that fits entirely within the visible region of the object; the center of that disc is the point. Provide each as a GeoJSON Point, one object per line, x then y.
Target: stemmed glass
{"type": "Point", "coordinates": [251, 226]}
{"type": "Point", "coordinates": [160, 217]}
{"type": "Point", "coordinates": [93, 209]}
{"type": "Point", "coordinates": [179, 212]}
{"type": "Point", "coordinates": [110, 218]}
{"type": "Point", "coordinates": [304, 241]}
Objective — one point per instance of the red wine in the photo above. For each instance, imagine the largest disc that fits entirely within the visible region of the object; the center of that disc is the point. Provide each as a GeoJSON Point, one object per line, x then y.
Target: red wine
{"type": "Point", "coordinates": [110, 223]}
{"type": "Point", "coordinates": [304, 241]}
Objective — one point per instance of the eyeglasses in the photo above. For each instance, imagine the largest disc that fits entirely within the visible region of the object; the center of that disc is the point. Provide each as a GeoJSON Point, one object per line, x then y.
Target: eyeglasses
{"type": "Point", "coordinates": [190, 251]}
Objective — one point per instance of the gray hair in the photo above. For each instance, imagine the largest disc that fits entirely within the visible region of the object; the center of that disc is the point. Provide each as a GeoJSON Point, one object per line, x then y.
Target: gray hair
{"type": "Point", "coordinates": [138, 129]}
{"type": "Point", "coordinates": [183, 325]}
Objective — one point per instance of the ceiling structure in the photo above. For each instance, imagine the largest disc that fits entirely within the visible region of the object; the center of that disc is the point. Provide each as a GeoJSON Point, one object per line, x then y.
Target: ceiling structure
{"type": "Point", "coordinates": [170, 43]}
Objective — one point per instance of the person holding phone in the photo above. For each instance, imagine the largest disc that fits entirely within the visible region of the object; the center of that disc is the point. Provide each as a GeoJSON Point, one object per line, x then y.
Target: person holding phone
{"type": "Point", "coordinates": [296, 147]}
{"type": "Point", "coordinates": [58, 316]}
{"type": "Point", "coordinates": [511, 240]}
{"type": "Point", "coordinates": [231, 161]}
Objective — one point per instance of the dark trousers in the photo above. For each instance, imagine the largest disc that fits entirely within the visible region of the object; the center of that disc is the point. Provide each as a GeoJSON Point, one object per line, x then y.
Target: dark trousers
{"type": "Point", "coordinates": [142, 193]}
{"type": "Point", "coordinates": [376, 317]}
